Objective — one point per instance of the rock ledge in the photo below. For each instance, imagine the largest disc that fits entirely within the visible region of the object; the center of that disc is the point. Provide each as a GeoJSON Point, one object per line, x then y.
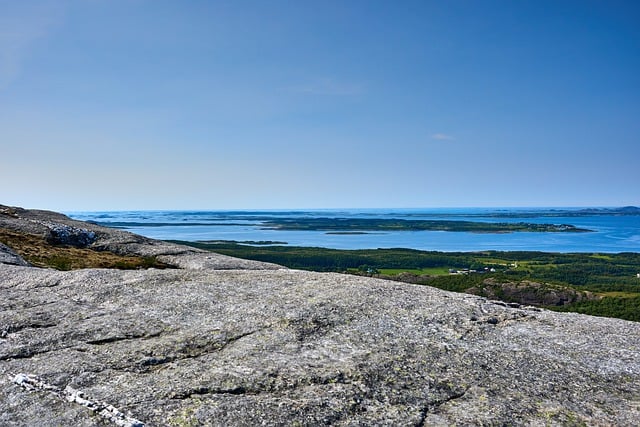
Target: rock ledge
{"type": "Point", "coordinates": [220, 341]}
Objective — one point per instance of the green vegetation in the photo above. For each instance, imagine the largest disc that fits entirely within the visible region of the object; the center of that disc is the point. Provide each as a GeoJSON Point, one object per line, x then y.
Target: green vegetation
{"type": "Point", "coordinates": [352, 225]}
{"type": "Point", "coordinates": [434, 271]}
{"type": "Point", "coordinates": [598, 284]}
{"type": "Point", "coordinates": [321, 259]}
{"type": "Point", "coordinates": [623, 308]}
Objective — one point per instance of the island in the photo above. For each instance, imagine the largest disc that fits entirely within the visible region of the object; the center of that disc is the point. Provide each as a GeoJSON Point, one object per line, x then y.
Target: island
{"type": "Point", "coordinates": [185, 337]}
{"type": "Point", "coordinates": [393, 224]}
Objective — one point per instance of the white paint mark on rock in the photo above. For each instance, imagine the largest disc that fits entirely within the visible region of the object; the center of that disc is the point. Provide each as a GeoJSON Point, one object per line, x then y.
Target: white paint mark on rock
{"type": "Point", "coordinates": [109, 412]}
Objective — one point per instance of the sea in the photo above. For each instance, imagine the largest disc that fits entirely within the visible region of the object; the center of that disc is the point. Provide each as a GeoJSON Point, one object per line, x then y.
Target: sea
{"type": "Point", "coordinates": [610, 232]}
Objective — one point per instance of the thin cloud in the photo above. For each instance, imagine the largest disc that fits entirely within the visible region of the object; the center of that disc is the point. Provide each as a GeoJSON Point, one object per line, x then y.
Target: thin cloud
{"type": "Point", "coordinates": [442, 137]}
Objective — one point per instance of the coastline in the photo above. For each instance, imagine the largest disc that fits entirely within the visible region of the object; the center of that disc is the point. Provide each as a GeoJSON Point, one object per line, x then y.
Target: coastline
{"type": "Point", "coordinates": [612, 233]}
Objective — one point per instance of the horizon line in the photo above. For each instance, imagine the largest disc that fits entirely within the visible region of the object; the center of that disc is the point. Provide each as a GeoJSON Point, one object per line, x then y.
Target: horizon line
{"type": "Point", "coordinates": [351, 208]}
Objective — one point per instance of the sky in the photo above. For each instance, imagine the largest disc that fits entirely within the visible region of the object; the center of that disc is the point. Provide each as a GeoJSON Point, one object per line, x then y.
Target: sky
{"type": "Point", "coordinates": [153, 104]}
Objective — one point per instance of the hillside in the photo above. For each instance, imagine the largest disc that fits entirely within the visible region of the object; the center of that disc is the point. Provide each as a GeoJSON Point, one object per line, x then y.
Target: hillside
{"type": "Point", "coordinates": [172, 335]}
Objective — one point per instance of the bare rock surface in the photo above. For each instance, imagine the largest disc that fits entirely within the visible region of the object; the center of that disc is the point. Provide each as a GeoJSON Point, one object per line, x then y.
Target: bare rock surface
{"type": "Point", "coordinates": [229, 342]}
{"type": "Point", "coordinates": [8, 256]}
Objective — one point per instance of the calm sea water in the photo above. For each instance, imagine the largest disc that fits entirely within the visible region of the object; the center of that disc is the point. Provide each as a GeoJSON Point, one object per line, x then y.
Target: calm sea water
{"type": "Point", "coordinates": [610, 233]}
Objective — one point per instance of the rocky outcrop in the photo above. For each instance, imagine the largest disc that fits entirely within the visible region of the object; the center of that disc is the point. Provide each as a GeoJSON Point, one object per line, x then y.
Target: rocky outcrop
{"type": "Point", "coordinates": [522, 292]}
{"type": "Point", "coordinates": [8, 256]}
{"type": "Point", "coordinates": [224, 342]}
{"type": "Point", "coordinates": [59, 230]}
{"type": "Point", "coordinates": [528, 292]}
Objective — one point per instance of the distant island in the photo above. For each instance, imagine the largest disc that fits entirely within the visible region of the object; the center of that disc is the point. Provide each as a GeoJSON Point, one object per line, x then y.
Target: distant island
{"type": "Point", "coordinates": [353, 225]}
{"type": "Point", "coordinates": [554, 212]}
{"type": "Point", "coordinates": [625, 210]}
{"type": "Point", "coordinates": [186, 335]}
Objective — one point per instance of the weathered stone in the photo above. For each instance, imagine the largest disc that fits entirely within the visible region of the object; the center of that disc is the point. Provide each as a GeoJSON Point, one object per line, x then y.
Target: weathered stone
{"type": "Point", "coordinates": [230, 342]}
{"type": "Point", "coordinates": [8, 256]}
{"type": "Point", "coordinates": [92, 236]}
{"type": "Point", "coordinates": [528, 292]}
{"type": "Point", "coordinates": [67, 235]}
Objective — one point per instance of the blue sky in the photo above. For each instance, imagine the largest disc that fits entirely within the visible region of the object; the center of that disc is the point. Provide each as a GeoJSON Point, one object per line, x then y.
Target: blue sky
{"type": "Point", "coordinates": [110, 105]}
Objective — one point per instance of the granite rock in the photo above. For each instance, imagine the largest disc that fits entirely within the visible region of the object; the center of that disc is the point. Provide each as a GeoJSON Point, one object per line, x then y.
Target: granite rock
{"type": "Point", "coordinates": [223, 342]}
{"type": "Point", "coordinates": [8, 256]}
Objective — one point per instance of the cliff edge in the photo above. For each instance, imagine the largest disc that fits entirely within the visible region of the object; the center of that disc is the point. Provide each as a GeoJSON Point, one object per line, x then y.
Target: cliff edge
{"type": "Point", "coordinates": [213, 340]}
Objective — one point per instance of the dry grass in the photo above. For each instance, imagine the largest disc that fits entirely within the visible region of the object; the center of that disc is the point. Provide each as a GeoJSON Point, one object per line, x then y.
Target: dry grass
{"type": "Point", "coordinates": [40, 253]}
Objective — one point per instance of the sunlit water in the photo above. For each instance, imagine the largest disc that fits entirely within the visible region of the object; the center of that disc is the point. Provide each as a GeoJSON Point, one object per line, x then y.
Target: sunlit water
{"type": "Point", "coordinates": [610, 233]}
